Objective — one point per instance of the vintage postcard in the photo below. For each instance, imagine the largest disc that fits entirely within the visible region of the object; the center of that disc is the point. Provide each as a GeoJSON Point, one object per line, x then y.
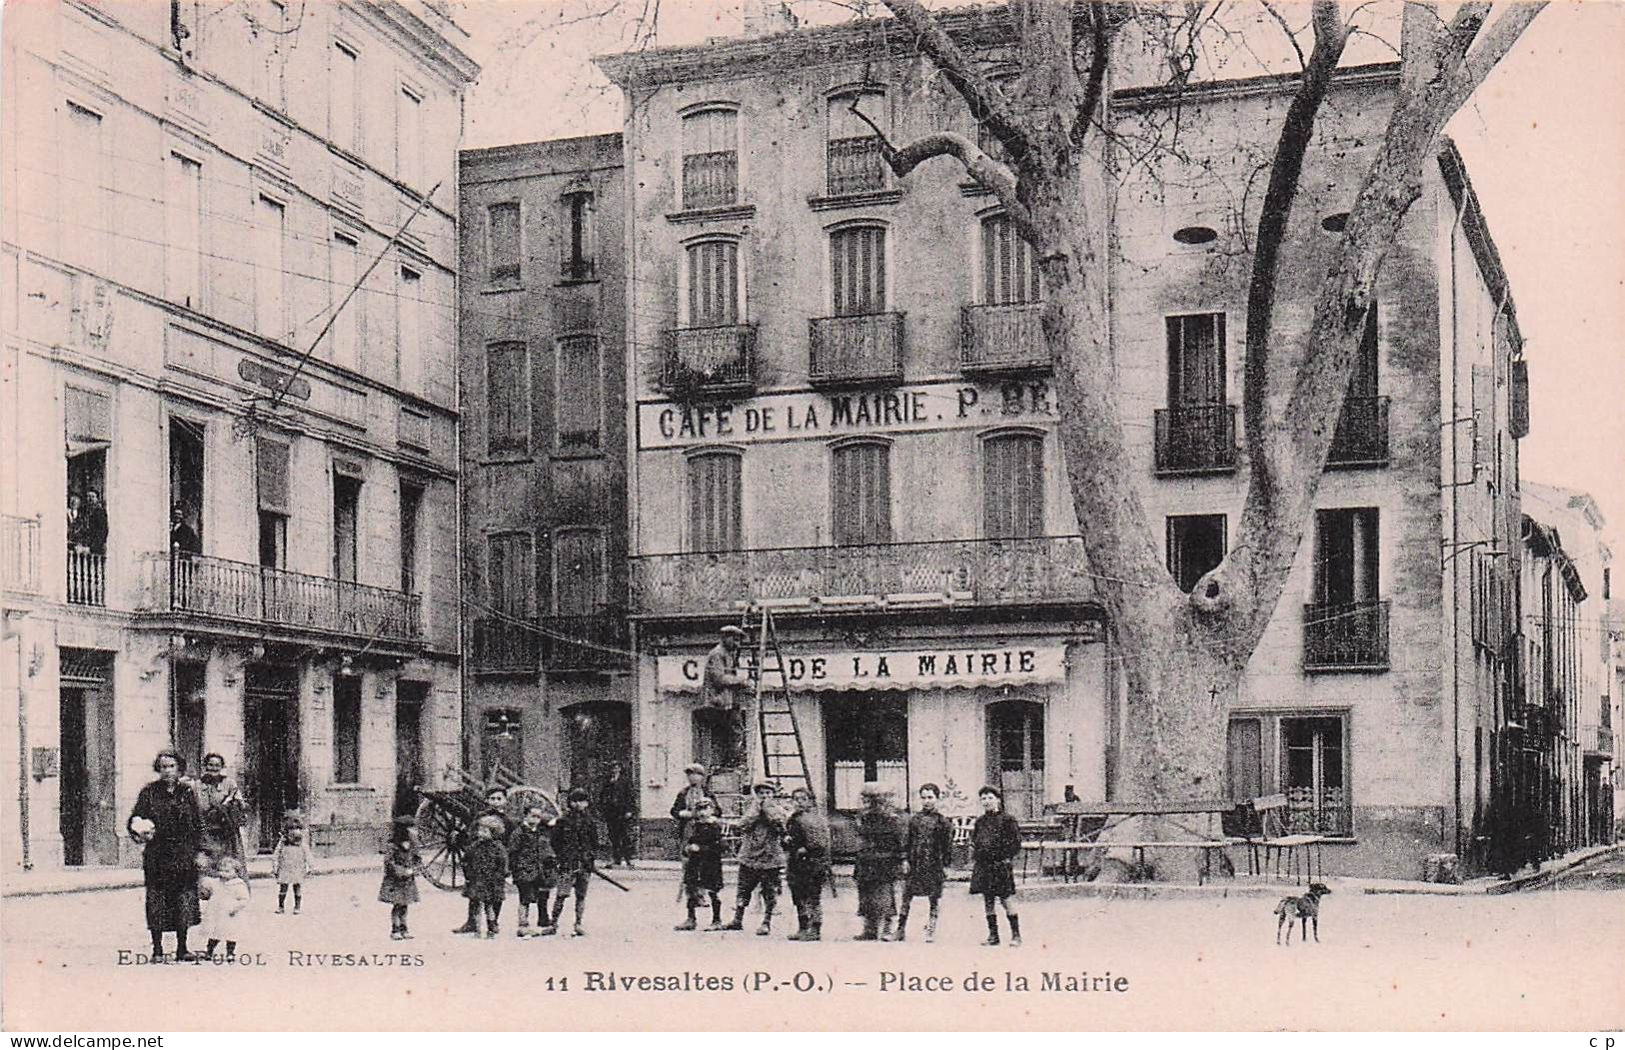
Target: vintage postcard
{"type": "Point", "coordinates": [729, 515]}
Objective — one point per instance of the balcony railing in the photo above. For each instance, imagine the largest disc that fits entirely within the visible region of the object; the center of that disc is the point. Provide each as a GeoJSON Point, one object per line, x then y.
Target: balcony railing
{"type": "Point", "coordinates": [1002, 339]}
{"type": "Point", "coordinates": [1361, 437]}
{"type": "Point", "coordinates": [1598, 739]}
{"type": "Point", "coordinates": [1345, 635]}
{"type": "Point", "coordinates": [585, 643]}
{"type": "Point", "coordinates": [1037, 571]}
{"type": "Point", "coordinates": [717, 360]}
{"type": "Point", "coordinates": [1196, 439]}
{"type": "Point", "coordinates": [19, 554]}
{"type": "Point", "coordinates": [217, 589]}
{"type": "Point", "coordinates": [863, 348]}
{"type": "Point", "coordinates": [856, 166]}
{"type": "Point", "coordinates": [711, 180]}
{"type": "Point", "coordinates": [503, 646]}
{"type": "Point", "coordinates": [87, 578]}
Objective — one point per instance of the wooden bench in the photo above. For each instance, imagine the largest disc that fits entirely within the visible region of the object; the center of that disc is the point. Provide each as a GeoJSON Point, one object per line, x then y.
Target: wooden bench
{"type": "Point", "coordinates": [1069, 850]}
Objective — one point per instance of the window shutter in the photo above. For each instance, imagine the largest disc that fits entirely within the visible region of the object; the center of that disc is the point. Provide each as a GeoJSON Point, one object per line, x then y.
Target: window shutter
{"type": "Point", "coordinates": [89, 419]}
{"type": "Point", "coordinates": [714, 499]}
{"type": "Point", "coordinates": [271, 463]}
{"type": "Point", "coordinates": [858, 270]}
{"type": "Point", "coordinates": [578, 402]}
{"type": "Point", "coordinates": [1519, 421]}
{"type": "Point", "coordinates": [1013, 486]}
{"type": "Point", "coordinates": [508, 398]}
{"type": "Point", "coordinates": [713, 284]}
{"type": "Point", "coordinates": [861, 499]}
{"type": "Point", "coordinates": [504, 241]}
{"type": "Point", "coordinates": [578, 571]}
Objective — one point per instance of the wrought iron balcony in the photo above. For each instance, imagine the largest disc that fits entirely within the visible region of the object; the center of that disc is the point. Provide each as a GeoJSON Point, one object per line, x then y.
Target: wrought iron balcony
{"type": "Point", "coordinates": [19, 555]}
{"type": "Point", "coordinates": [204, 590]}
{"type": "Point", "coordinates": [585, 643]}
{"type": "Point", "coordinates": [709, 362]}
{"type": "Point", "coordinates": [854, 350]}
{"type": "Point", "coordinates": [1361, 437]}
{"type": "Point", "coordinates": [1043, 570]}
{"type": "Point", "coordinates": [1004, 339]}
{"type": "Point", "coordinates": [711, 180]}
{"type": "Point", "coordinates": [503, 646]}
{"type": "Point", "coordinates": [1345, 636]}
{"type": "Point", "coordinates": [1598, 739]}
{"type": "Point", "coordinates": [1196, 439]}
{"type": "Point", "coordinates": [855, 165]}
{"type": "Point", "coordinates": [87, 578]}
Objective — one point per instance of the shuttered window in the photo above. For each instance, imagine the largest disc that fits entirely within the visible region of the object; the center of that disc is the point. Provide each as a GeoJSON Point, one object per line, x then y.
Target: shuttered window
{"type": "Point", "coordinates": [579, 404]}
{"type": "Point", "coordinates": [510, 577]}
{"type": "Point", "coordinates": [89, 419]}
{"type": "Point", "coordinates": [507, 398]}
{"type": "Point", "coordinates": [1009, 264]}
{"type": "Point", "coordinates": [502, 243]}
{"type": "Point", "coordinates": [710, 158]}
{"type": "Point", "coordinates": [1013, 486]}
{"type": "Point", "coordinates": [714, 502]}
{"type": "Point", "coordinates": [271, 471]}
{"type": "Point", "coordinates": [578, 571]}
{"type": "Point", "coordinates": [1196, 360]}
{"type": "Point", "coordinates": [857, 257]}
{"type": "Point", "coordinates": [860, 495]}
{"type": "Point", "coordinates": [713, 284]}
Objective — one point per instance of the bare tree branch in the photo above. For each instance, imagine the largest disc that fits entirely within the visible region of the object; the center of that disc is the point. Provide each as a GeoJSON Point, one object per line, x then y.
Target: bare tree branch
{"type": "Point", "coordinates": [1099, 56]}
{"type": "Point", "coordinates": [1291, 34]}
{"type": "Point", "coordinates": [1489, 51]}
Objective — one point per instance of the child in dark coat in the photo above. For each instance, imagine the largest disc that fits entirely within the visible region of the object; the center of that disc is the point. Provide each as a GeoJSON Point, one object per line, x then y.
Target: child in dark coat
{"type": "Point", "coordinates": [995, 844]}
{"type": "Point", "coordinates": [496, 805]}
{"type": "Point", "coordinates": [535, 871]}
{"type": "Point", "coordinates": [876, 866]}
{"type": "Point", "coordinates": [761, 857]}
{"type": "Point", "coordinates": [702, 867]}
{"type": "Point", "coordinates": [486, 871]}
{"type": "Point", "coordinates": [575, 841]}
{"type": "Point", "coordinates": [400, 885]}
{"type": "Point", "coordinates": [926, 852]}
{"type": "Point", "coordinates": [806, 848]}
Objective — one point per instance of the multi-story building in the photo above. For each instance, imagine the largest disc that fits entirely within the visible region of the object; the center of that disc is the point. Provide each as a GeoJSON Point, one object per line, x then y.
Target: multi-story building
{"type": "Point", "coordinates": [229, 473]}
{"type": "Point", "coordinates": [841, 409]}
{"type": "Point", "coordinates": [548, 686]}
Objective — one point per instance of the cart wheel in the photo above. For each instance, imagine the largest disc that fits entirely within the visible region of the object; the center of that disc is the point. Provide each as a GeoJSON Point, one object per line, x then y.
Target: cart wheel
{"type": "Point", "coordinates": [441, 839]}
{"type": "Point", "coordinates": [522, 796]}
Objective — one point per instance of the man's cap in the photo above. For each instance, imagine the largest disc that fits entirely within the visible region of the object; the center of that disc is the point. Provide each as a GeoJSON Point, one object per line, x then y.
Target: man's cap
{"type": "Point", "coordinates": [578, 795]}
{"type": "Point", "coordinates": [493, 789]}
{"type": "Point", "coordinates": [694, 767]}
{"type": "Point", "coordinates": [768, 784]}
{"type": "Point", "coordinates": [730, 631]}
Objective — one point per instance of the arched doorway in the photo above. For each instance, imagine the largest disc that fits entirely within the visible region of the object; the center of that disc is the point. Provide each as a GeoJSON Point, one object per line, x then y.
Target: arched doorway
{"type": "Point", "coordinates": [1015, 755]}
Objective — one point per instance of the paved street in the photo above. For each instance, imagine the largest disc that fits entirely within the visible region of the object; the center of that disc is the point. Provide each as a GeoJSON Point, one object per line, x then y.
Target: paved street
{"type": "Point", "coordinates": [1529, 960]}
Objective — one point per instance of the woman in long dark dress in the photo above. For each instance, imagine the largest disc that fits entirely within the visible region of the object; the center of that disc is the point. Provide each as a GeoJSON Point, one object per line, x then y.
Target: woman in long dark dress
{"type": "Point", "coordinates": [223, 810]}
{"type": "Point", "coordinates": [166, 821]}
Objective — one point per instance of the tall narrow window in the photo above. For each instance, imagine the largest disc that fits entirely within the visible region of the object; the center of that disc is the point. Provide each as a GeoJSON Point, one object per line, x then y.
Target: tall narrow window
{"type": "Point", "coordinates": [1313, 777]}
{"type": "Point", "coordinates": [715, 502]}
{"type": "Point", "coordinates": [1346, 556]}
{"type": "Point", "coordinates": [185, 486]}
{"type": "Point", "coordinates": [1196, 366]}
{"type": "Point", "coordinates": [409, 139]}
{"type": "Point", "coordinates": [1195, 547]}
{"type": "Point", "coordinates": [578, 571]}
{"type": "Point", "coordinates": [511, 579]}
{"type": "Point", "coordinates": [1009, 264]}
{"type": "Point", "coordinates": [713, 284]}
{"type": "Point", "coordinates": [86, 225]}
{"type": "Point", "coordinates": [346, 729]}
{"type": "Point", "coordinates": [854, 162]}
{"type": "Point", "coordinates": [411, 500]}
{"type": "Point", "coordinates": [346, 512]}
{"type": "Point", "coordinates": [860, 493]}
{"type": "Point", "coordinates": [270, 274]}
{"type": "Point", "coordinates": [857, 257]}
{"type": "Point", "coordinates": [710, 159]}
{"type": "Point", "coordinates": [183, 229]}
{"type": "Point", "coordinates": [578, 236]}
{"type": "Point", "coordinates": [1013, 486]}
{"type": "Point", "coordinates": [344, 93]}
{"type": "Point", "coordinates": [578, 407]}
{"type": "Point", "coordinates": [346, 331]}
{"type": "Point", "coordinates": [502, 243]}
{"type": "Point", "coordinates": [271, 481]}
{"type": "Point", "coordinates": [408, 330]}
{"type": "Point", "coordinates": [507, 397]}
{"type": "Point", "coordinates": [268, 31]}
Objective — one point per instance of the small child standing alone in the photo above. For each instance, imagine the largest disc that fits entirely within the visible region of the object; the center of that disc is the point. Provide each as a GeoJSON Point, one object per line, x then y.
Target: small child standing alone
{"type": "Point", "coordinates": [400, 886]}
{"type": "Point", "coordinates": [224, 888]}
{"type": "Point", "coordinates": [291, 863]}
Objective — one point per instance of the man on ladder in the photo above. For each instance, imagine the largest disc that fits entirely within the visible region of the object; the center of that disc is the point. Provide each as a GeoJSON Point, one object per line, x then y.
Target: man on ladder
{"type": "Point", "coordinates": [724, 688]}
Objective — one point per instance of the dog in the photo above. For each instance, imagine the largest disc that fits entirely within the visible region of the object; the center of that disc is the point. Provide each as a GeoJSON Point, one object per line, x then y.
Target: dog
{"type": "Point", "coordinates": [1306, 909]}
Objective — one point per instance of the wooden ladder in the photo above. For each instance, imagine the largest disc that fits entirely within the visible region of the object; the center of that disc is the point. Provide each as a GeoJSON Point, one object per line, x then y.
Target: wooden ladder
{"type": "Point", "coordinates": [784, 758]}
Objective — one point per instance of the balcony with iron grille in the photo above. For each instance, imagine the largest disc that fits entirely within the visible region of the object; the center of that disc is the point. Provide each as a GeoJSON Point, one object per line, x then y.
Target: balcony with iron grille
{"type": "Point", "coordinates": [1196, 439]}
{"type": "Point", "coordinates": [717, 361]}
{"type": "Point", "coordinates": [499, 645]}
{"type": "Point", "coordinates": [197, 592]}
{"type": "Point", "coordinates": [934, 574]}
{"type": "Point", "coordinates": [999, 340]}
{"type": "Point", "coordinates": [1345, 636]}
{"type": "Point", "coordinates": [598, 642]}
{"type": "Point", "coordinates": [19, 556]}
{"type": "Point", "coordinates": [1361, 437]}
{"type": "Point", "coordinates": [710, 180]}
{"type": "Point", "coordinates": [1598, 739]}
{"type": "Point", "coordinates": [856, 350]}
{"type": "Point", "coordinates": [855, 165]}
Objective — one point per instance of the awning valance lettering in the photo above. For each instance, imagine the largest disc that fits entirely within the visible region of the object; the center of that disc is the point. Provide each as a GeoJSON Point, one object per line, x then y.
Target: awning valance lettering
{"type": "Point", "coordinates": [818, 671]}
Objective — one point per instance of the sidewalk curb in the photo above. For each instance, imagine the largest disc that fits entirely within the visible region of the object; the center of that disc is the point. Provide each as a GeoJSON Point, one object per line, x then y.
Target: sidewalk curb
{"type": "Point", "coordinates": [1536, 880]}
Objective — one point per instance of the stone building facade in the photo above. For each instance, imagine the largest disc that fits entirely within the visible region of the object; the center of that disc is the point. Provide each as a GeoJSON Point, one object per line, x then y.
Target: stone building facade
{"type": "Point", "coordinates": [229, 485]}
{"type": "Point", "coordinates": [542, 359]}
{"type": "Point", "coordinates": [841, 409]}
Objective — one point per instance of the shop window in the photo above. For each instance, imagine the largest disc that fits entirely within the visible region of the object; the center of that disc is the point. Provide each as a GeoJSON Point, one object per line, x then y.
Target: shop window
{"type": "Point", "coordinates": [866, 739]}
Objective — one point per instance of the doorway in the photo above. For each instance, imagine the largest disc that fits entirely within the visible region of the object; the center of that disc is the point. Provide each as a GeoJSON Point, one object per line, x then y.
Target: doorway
{"type": "Point", "coordinates": [597, 735]}
{"type": "Point", "coordinates": [865, 739]}
{"type": "Point", "coordinates": [409, 700]}
{"type": "Point", "coordinates": [270, 749]}
{"type": "Point", "coordinates": [86, 816]}
{"type": "Point", "coordinates": [502, 743]}
{"type": "Point", "coordinates": [1015, 748]}
{"type": "Point", "coordinates": [188, 712]}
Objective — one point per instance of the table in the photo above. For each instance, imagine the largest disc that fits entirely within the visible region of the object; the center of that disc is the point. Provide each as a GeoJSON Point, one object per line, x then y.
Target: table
{"type": "Point", "coordinates": [1117, 812]}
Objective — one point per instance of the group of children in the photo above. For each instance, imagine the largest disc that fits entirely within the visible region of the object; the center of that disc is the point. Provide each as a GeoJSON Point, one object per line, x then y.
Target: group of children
{"type": "Point", "coordinates": [540, 855]}
{"type": "Point", "coordinates": [796, 846]}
